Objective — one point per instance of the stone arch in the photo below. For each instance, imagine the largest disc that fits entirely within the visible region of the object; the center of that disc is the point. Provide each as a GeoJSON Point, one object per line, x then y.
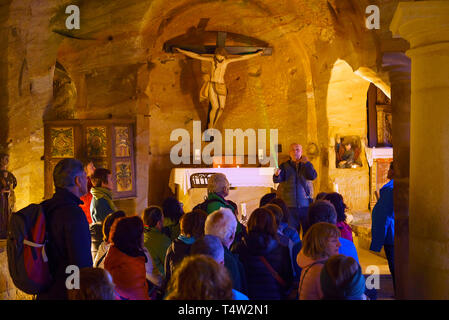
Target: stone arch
{"type": "Point", "coordinates": [347, 116]}
{"type": "Point", "coordinates": [165, 21]}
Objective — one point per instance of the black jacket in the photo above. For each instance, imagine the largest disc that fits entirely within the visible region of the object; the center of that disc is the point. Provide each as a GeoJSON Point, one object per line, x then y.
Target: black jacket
{"type": "Point", "coordinates": [69, 241]}
{"type": "Point", "coordinates": [175, 253]}
{"type": "Point", "coordinates": [261, 283]}
{"type": "Point", "coordinates": [293, 185]}
{"type": "Point", "coordinates": [236, 271]}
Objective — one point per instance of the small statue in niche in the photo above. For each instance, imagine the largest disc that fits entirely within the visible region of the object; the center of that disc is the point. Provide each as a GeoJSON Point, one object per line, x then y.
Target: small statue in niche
{"type": "Point", "coordinates": [7, 199]}
{"type": "Point", "coordinates": [347, 158]}
{"type": "Point", "coordinates": [347, 154]}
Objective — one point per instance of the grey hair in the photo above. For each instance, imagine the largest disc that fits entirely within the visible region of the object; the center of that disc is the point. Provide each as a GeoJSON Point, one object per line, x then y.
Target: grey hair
{"type": "Point", "coordinates": [216, 183]}
{"type": "Point", "coordinates": [221, 223]}
{"type": "Point", "coordinates": [209, 245]}
{"type": "Point", "coordinates": [66, 171]}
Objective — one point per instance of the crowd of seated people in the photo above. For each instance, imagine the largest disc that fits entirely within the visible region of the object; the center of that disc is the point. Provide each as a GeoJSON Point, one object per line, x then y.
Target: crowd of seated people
{"type": "Point", "coordinates": [207, 253]}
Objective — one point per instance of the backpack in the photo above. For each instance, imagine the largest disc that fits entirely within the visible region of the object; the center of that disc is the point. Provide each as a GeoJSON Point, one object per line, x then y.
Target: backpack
{"type": "Point", "coordinates": [203, 205]}
{"type": "Point", "coordinates": [27, 259]}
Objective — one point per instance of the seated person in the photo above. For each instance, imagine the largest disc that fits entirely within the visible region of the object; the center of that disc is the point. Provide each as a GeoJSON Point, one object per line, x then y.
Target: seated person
{"type": "Point", "coordinates": [89, 168]}
{"type": "Point", "coordinates": [128, 261]}
{"type": "Point", "coordinates": [324, 211]}
{"type": "Point", "coordinates": [155, 241]}
{"type": "Point", "coordinates": [104, 246]}
{"type": "Point", "coordinates": [267, 198]}
{"type": "Point", "coordinates": [210, 245]}
{"type": "Point", "coordinates": [200, 277]}
{"type": "Point", "coordinates": [342, 279]}
{"type": "Point", "coordinates": [347, 158]}
{"type": "Point", "coordinates": [337, 201]}
{"type": "Point", "coordinates": [320, 243]}
{"type": "Point", "coordinates": [95, 284]}
{"type": "Point", "coordinates": [101, 204]}
{"type": "Point", "coordinates": [217, 190]}
{"type": "Point", "coordinates": [222, 224]}
{"type": "Point", "coordinates": [192, 228]}
{"type": "Point", "coordinates": [172, 210]}
{"type": "Point", "coordinates": [291, 233]}
{"type": "Point", "coordinates": [266, 262]}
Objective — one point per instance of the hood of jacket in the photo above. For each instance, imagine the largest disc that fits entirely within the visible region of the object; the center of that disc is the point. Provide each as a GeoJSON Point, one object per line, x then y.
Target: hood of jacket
{"type": "Point", "coordinates": [305, 261]}
{"type": "Point", "coordinates": [260, 244]}
{"type": "Point", "coordinates": [116, 259]}
{"type": "Point", "coordinates": [100, 192]}
{"type": "Point", "coordinates": [128, 274]}
{"type": "Point", "coordinates": [180, 248]}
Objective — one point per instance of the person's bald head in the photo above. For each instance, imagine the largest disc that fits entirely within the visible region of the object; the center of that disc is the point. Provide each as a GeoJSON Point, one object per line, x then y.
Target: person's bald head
{"type": "Point", "coordinates": [295, 151]}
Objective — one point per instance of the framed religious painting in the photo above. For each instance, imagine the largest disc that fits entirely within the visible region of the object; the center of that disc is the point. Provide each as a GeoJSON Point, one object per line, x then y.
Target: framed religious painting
{"type": "Point", "coordinates": [123, 167]}
{"type": "Point", "coordinates": [107, 143]}
{"type": "Point", "coordinates": [96, 142]}
{"type": "Point", "coordinates": [62, 142]}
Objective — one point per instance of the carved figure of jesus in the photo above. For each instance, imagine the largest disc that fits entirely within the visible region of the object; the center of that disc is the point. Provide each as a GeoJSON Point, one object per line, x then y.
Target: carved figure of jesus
{"type": "Point", "coordinates": [214, 88]}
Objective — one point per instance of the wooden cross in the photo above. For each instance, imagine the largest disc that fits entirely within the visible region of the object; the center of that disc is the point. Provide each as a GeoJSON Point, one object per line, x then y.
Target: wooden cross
{"type": "Point", "coordinates": [221, 43]}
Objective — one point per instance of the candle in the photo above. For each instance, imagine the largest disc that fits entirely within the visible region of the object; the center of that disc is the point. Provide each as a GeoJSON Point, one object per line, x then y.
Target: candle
{"type": "Point", "coordinates": [197, 154]}
{"type": "Point", "coordinates": [260, 154]}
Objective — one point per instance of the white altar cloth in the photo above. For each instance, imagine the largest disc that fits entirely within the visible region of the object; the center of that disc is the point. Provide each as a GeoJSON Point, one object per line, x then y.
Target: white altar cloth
{"type": "Point", "coordinates": [237, 177]}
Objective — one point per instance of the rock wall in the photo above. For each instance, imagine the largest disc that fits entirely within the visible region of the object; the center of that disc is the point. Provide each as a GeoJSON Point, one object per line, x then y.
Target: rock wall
{"type": "Point", "coordinates": [118, 67]}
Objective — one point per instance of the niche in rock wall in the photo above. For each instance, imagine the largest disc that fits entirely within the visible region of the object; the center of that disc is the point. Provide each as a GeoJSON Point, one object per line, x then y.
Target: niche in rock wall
{"type": "Point", "coordinates": [64, 96]}
{"type": "Point", "coordinates": [348, 150]}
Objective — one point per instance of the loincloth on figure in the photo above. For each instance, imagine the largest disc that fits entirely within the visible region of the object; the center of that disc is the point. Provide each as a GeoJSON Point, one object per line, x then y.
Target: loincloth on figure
{"type": "Point", "coordinates": [219, 88]}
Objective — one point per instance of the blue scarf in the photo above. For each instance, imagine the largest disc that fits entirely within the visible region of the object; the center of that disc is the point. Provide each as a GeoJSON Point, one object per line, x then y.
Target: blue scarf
{"type": "Point", "coordinates": [186, 240]}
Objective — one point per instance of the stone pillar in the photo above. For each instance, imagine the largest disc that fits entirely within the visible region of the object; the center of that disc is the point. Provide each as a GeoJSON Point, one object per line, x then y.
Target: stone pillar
{"type": "Point", "coordinates": [426, 26]}
{"type": "Point", "coordinates": [398, 66]}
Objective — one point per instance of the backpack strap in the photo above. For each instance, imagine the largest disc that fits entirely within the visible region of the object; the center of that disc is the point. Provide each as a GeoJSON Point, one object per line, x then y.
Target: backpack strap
{"type": "Point", "coordinates": [37, 245]}
{"type": "Point", "coordinates": [272, 271]}
{"type": "Point", "coordinates": [101, 259]}
{"type": "Point", "coordinates": [305, 273]}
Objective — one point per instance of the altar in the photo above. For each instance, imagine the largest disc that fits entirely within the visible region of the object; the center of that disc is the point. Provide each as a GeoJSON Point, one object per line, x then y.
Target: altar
{"type": "Point", "coordinates": [248, 185]}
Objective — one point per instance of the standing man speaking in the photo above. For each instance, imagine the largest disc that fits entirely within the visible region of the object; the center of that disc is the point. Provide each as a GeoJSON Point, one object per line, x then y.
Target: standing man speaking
{"type": "Point", "coordinates": [292, 177]}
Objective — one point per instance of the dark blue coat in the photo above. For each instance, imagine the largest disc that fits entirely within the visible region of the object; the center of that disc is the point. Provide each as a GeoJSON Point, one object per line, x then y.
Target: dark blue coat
{"type": "Point", "coordinates": [292, 183]}
{"type": "Point", "coordinates": [69, 241]}
{"type": "Point", "coordinates": [261, 283]}
{"type": "Point", "coordinates": [236, 271]}
{"type": "Point", "coordinates": [175, 254]}
{"type": "Point", "coordinates": [382, 227]}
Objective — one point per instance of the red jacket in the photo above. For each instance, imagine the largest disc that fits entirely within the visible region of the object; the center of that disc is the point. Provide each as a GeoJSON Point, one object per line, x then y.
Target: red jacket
{"type": "Point", "coordinates": [128, 274]}
{"type": "Point", "coordinates": [87, 198]}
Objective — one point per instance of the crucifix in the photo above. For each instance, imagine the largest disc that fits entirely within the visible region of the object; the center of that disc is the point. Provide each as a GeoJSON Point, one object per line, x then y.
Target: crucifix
{"type": "Point", "coordinates": [214, 87]}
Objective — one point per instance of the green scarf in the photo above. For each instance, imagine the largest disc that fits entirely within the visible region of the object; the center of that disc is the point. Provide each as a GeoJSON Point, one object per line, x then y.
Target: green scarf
{"type": "Point", "coordinates": [100, 192]}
